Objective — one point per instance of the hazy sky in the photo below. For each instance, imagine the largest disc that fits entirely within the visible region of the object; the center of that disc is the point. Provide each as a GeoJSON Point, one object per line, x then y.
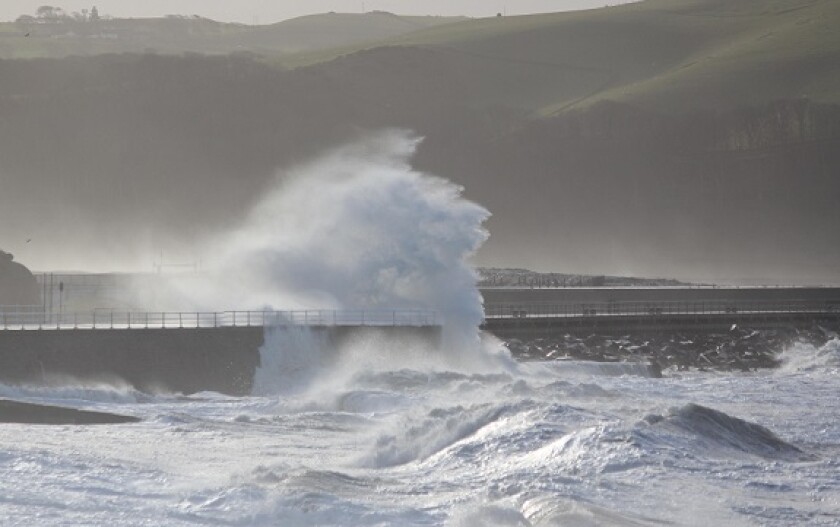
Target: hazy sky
{"type": "Point", "coordinates": [268, 11]}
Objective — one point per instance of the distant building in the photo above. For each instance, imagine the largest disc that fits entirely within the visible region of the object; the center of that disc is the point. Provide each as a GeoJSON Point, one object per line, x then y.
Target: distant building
{"type": "Point", "coordinates": [18, 286]}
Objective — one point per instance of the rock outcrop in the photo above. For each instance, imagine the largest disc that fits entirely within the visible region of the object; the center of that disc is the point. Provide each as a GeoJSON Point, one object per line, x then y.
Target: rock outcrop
{"type": "Point", "coordinates": [18, 286]}
{"type": "Point", "coordinates": [739, 349]}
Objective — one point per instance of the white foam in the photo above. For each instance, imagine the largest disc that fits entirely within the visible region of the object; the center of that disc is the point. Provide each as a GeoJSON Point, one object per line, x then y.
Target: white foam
{"type": "Point", "coordinates": [439, 429]}
{"type": "Point", "coordinates": [290, 358]}
{"type": "Point", "coordinates": [67, 390]}
{"type": "Point", "coordinates": [385, 432]}
{"type": "Point", "coordinates": [357, 228]}
{"type": "Point", "coordinates": [804, 357]}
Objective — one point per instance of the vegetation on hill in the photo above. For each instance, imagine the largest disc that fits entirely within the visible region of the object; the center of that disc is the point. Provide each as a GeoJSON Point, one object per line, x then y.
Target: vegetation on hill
{"type": "Point", "coordinates": [696, 139]}
{"type": "Point", "coordinates": [62, 36]}
{"type": "Point", "coordinates": [665, 55]}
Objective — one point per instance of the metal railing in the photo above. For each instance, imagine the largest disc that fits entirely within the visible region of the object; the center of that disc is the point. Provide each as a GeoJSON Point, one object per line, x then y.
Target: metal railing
{"type": "Point", "coordinates": [652, 309]}
{"type": "Point", "coordinates": [111, 319]}
{"type": "Point", "coordinates": [21, 308]}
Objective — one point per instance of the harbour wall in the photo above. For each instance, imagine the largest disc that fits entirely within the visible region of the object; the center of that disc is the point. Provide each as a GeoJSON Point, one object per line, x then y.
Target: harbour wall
{"type": "Point", "coordinates": [185, 360]}
{"type": "Point", "coordinates": [585, 295]}
{"type": "Point", "coordinates": [540, 327]}
{"type": "Point", "coordinates": [526, 312]}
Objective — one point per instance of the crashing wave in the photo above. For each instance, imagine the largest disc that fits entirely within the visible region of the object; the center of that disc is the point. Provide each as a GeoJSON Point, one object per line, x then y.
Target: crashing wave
{"type": "Point", "coordinates": [804, 357]}
{"type": "Point", "coordinates": [716, 430]}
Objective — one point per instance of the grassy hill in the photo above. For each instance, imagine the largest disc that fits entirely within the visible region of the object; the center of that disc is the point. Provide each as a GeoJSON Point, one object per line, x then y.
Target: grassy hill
{"type": "Point", "coordinates": [175, 35]}
{"type": "Point", "coordinates": [698, 139]}
{"type": "Point", "coordinates": [694, 134]}
{"type": "Point", "coordinates": [665, 55]}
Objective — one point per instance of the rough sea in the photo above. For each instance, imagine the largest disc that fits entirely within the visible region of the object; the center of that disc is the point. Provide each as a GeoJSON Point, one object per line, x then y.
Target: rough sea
{"type": "Point", "coordinates": [544, 444]}
{"type": "Point", "coordinates": [402, 436]}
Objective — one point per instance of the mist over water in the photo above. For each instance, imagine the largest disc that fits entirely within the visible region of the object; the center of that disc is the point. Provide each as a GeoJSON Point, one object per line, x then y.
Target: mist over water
{"type": "Point", "coordinates": [356, 228]}
{"type": "Point", "coordinates": [382, 430]}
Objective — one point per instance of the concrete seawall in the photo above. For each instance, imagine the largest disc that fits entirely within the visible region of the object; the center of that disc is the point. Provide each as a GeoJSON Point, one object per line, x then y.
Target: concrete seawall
{"type": "Point", "coordinates": [588, 295]}
{"type": "Point", "coordinates": [221, 359]}
{"type": "Point", "coordinates": [526, 313]}
{"type": "Point", "coordinates": [710, 323]}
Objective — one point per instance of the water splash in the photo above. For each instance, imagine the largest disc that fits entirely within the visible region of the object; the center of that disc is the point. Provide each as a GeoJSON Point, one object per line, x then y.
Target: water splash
{"type": "Point", "coordinates": [357, 228]}
{"type": "Point", "coordinates": [803, 357]}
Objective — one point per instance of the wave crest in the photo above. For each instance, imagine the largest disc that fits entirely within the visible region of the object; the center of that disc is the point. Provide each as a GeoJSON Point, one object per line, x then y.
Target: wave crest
{"type": "Point", "coordinates": [716, 431]}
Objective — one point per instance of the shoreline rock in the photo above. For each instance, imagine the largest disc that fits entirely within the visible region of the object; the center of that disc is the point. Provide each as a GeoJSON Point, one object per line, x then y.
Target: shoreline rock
{"type": "Point", "coordinates": [42, 414]}
{"type": "Point", "coordinates": [740, 349]}
{"type": "Point", "coordinates": [18, 286]}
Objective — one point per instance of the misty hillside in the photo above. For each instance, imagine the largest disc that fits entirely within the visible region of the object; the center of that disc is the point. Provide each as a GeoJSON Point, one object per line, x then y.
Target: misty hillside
{"type": "Point", "coordinates": [32, 37]}
{"type": "Point", "coordinates": [693, 139]}
{"type": "Point", "coordinates": [663, 54]}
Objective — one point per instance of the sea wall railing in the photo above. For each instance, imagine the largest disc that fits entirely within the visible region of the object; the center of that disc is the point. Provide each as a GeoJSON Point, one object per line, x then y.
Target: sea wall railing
{"type": "Point", "coordinates": [21, 308]}
{"type": "Point", "coordinates": [111, 319]}
{"type": "Point", "coordinates": [652, 309]}
{"type": "Point", "coordinates": [11, 319]}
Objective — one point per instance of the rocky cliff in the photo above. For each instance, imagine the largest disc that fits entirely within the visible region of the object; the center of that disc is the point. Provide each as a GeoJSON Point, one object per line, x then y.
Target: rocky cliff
{"type": "Point", "coordinates": [17, 284]}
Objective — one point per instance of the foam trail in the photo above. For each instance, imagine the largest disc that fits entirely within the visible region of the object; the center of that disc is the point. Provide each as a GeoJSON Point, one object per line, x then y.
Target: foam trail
{"type": "Point", "coordinates": [61, 390]}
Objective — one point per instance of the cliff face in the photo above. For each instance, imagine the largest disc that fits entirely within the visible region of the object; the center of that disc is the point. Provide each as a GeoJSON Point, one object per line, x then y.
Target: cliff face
{"type": "Point", "coordinates": [17, 284]}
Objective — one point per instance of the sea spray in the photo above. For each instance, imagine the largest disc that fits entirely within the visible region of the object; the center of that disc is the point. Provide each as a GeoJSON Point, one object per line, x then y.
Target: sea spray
{"type": "Point", "coordinates": [357, 228]}
{"type": "Point", "coordinates": [805, 357]}
{"type": "Point", "coordinates": [360, 229]}
{"type": "Point", "coordinates": [290, 358]}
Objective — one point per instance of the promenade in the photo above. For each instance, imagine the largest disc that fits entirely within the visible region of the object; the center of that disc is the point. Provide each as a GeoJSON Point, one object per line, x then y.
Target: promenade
{"type": "Point", "coordinates": [532, 311]}
{"type": "Point", "coordinates": [33, 318]}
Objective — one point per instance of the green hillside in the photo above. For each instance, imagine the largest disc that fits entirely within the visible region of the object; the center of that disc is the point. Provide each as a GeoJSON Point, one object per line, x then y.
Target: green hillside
{"type": "Point", "coordinates": [662, 54]}
{"type": "Point", "coordinates": [174, 35]}
{"type": "Point", "coordinates": [701, 136]}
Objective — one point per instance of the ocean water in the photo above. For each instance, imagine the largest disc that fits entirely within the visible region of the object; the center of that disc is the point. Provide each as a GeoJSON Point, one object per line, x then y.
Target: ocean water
{"type": "Point", "coordinates": [551, 444]}
{"type": "Point", "coordinates": [395, 434]}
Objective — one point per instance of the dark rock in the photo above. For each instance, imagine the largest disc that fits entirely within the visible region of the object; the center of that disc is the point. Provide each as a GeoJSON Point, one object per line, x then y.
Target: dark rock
{"type": "Point", "coordinates": [30, 413]}
{"type": "Point", "coordinates": [740, 349]}
{"type": "Point", "coordinates": [18, 286]}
